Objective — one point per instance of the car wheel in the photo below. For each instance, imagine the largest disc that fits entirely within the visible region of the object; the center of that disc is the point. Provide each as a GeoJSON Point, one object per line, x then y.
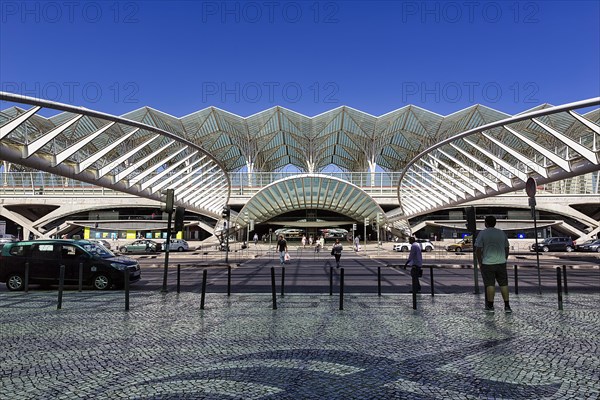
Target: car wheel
{"type": "Point", "coordinates": [404, 248]}
{"type": "Point", "coordinates": [457, 250]}
{"type": "Point", "coordinates": [123, 249]}
{"type": "Point", "coordinates": [569, 249]}
{"type": "Point", "coordinates": [102, 282]}
{"type": "Point", "coordinates": [15, 282]}
{"type": "Point", "coordinates": [180, 249]}
{"type": "Point", "coordinates": [545, 249]}
{"type": "Point", "coordinates": [598, 249]}
{"type": "Point", "coordinates": [427, 249]}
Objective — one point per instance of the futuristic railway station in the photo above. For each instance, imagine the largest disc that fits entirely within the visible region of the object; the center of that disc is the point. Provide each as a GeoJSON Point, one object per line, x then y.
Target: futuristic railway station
{"type": "Point", "coordinates": [70, 170]}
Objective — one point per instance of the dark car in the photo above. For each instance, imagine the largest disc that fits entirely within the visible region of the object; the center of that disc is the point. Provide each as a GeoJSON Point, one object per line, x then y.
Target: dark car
{"type": "Point", "coordinates": [592, 245]}
{"type": "Point", "coordinates": [555, 244]}
{"type": "Point", "coordinates": [101, 268]}
{"type": "Point", "coordinates": [140, 246]}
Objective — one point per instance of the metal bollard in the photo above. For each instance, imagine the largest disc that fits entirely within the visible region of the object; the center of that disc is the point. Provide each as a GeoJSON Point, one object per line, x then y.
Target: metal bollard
{"type": "Point", "coordinates": [273, 290]}
{"type": "Point", "coordinates": [516, 279]}
{"type": "Point", "coordinates": [126, 285]}
{"type": "Point", "coordinates": [379, 281]}
{"type": "Point", "coordinates": [203, 295]}
{"type": "Point", "coordinates": [564, 267]}
{"type": "Point", "coordinates": [229, 280]}
{"type": "Point", "coordinates": [282, 280]}
{"type": "Point", "coordinates": [27, 277]}
{"type": "Point", "coordinates": [178, 278]}
{"type": "Point", "coordinates": [80, 276]}
{"type": "Point", "coordinates": [559, 288]}
{"type": "Point", "coordinates": [431, 280]}
{"type": "Point", "coordinates": [341, 288]}
{"type": "Point", "coordinates": [414, 291]}
{"type": "Point", "coordinates": [61, 286]}
{"type": "Point", "coordinates": [331, 281]}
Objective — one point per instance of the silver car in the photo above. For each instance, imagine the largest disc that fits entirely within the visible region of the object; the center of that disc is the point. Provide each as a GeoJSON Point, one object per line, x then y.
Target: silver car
{"type": "Point", "coordinates": [177, 245]}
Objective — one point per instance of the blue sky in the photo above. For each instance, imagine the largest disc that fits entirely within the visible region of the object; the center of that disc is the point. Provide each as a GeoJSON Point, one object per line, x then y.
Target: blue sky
{"type": "Point", "coordinates": [308, 56]}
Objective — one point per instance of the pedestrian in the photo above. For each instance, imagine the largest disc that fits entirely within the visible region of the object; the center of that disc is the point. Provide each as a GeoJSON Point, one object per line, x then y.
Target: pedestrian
{"type": "Point", "coordinates": [415, 260]}
{"type": "Point", "coordinates": [491, 250]}
{"type": "Point", "coordinates": [310, 240]}
{"type": "Point", "coordinates": [336, 251]}
{"type": "Point", "coordinates": [303, 241]}
{"type": "Point", "coordinates": [318, 244]}
{"type": "Point", "coordinates": [282, 248]}
{"type": "Point", "coordinates": [255, 238]}
{"type": "Point", "coordinates": [357, 243]}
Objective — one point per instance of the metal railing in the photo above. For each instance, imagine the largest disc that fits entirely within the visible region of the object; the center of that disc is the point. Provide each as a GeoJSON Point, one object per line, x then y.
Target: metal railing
{"type": "Point", "coordinates": [245, 184]}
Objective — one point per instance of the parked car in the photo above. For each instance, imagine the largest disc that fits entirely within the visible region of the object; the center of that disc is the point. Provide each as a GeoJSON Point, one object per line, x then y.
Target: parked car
{"type": "Point", "coordinates": [589, 245]}
{"type": "Point", "coordinates": [176, 245]}
{"type": "Point", "coordinates": [464, 245]}
{"type": "Point", "coordinates": [140, 246]}
{"type": "Point", "coordinates": [102, 242]}
{"type": "Point", "coordinates": [101, 268]}
{"type": "Point", "coordinates": [554, 244]}
{"type": "Point", "coordinates": [426, 245]}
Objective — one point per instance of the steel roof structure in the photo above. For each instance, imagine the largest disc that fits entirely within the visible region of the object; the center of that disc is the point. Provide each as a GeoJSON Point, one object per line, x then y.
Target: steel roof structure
{"type": "Point", "coordinates": [446, 160]}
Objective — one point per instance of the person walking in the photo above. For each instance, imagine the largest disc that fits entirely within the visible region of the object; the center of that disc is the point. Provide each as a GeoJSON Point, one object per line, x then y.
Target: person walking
{"type": "Point", "coordinates": [255, 238]}
{"type": "Point", "coordinates": [357, 243]}
{"type": "Point", "coordinates": [336, 251]}
{"type": "Point", "coordinates": [303, 241]}
{"type": "Point", "coordinates": [318, 245]}
{"type": "Point", "coordinates": [282, 248]}
{"type": "Point", "coordinates": [415, 260]}
{"type": "Point", "coordinates": [491, 250]}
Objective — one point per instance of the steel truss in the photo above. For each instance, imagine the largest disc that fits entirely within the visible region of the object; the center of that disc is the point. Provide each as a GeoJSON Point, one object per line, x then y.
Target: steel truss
{"type": "Point", "coordinates": [548, 144]}
{"type": "Point", "coordinates": [113, 152]}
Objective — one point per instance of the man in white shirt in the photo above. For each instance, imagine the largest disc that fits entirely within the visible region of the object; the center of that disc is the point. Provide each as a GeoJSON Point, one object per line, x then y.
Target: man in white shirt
{"type": "Point", "coordinates": [415, 260]}
{"type": "Point", "coordinates": [491, 249]}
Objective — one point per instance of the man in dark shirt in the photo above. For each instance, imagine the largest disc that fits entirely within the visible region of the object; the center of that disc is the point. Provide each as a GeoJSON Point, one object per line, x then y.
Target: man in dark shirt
{"type": "Point", "coordinates": [282, 248]}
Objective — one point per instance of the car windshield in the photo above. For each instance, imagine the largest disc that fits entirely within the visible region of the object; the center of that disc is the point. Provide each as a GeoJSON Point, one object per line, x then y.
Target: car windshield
{"type": "Point", "coordinates": [98, 249]}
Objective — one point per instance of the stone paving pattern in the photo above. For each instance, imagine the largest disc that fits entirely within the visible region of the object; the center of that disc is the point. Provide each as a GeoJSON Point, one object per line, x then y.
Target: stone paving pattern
{"type": "Point", "coordinates": [165, 347]}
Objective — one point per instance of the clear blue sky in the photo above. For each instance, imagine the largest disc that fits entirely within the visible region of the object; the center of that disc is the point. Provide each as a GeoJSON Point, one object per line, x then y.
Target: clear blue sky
{"type": "Point", "coordinates": [308, 56]}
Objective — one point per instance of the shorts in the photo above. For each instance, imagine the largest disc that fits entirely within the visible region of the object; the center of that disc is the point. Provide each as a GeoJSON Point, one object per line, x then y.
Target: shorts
{"type": "Point", "coordinates": [494, 272]}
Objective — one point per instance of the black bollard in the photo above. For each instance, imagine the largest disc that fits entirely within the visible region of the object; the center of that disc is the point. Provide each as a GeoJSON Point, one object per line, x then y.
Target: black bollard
{"type": "Point", "coordinates": [126, 285]}
{"type": "Point", "coordinates": [414, 290]}
{"type": "Point", "coordinates": [431, 280]}
{"type": "Point", "coordinates": [516, 279]}
{"type": "Point", "coordinates": [229, 280]}
{"type": "Point", "coordinates": [564, 268]}
{"type": "Point", "coordinates": [273, 289]}
{"type": "Point", "coordinates": [178, 278]}
{"type": "Point", "coordinates": [341, 288]}
{"type": "Point", "coordinates": [27, 277]}
{"type": "Point", "coordinates": [559, 288]}
{"type": "Point", "coordinates": [282, 280]}
{"type": "Point", "coordinates": [61, 286]}
{"type": "Point", "coordinates": [379, 281]}
{"type": "Point", "coordinates": [203, 295]}
{"type": "Point", "coordinates": [80, 276]}
{"type": "Point", "coordinates": [331, 281]}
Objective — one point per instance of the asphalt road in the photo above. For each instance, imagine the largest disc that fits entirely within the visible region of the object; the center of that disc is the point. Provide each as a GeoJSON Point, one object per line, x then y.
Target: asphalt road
{"type": "Point", "coordinates": [310, 273]}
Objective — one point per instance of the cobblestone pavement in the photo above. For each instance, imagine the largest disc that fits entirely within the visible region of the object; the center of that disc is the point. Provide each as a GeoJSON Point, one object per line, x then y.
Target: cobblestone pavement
{"type": "Point", "coordinates": [238, 347]}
